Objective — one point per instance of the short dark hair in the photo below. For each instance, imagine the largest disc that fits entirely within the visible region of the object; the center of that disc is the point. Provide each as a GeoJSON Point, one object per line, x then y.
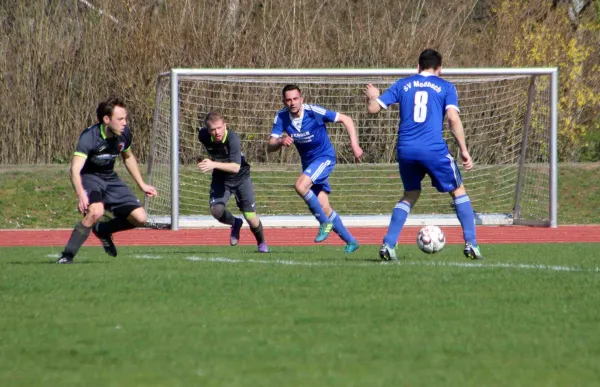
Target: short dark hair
{"type": "Point", "coordinates": [430, 59]}
{"type": "Point", "coordinates": [106, 107]}
{"type": "Point", "coordinates": [213, 116]}
{"type": "Point", "coordinates": [290, 87]}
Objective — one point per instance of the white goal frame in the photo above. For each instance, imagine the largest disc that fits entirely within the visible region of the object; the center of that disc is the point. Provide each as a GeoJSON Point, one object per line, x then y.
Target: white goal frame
{"type": "Point", "coordinates": [176, 74]}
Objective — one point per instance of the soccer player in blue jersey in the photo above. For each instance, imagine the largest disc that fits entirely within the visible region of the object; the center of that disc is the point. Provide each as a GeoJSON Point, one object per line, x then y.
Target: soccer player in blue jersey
{"type": "Point", "coordinates": [424, 99]}
{"type": "Point", "coordinates": [304, 126]}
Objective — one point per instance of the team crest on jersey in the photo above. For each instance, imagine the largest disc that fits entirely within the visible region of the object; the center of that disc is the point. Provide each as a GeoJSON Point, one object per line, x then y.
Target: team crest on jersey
{"type": "Point", "coordinates": [121, 146]}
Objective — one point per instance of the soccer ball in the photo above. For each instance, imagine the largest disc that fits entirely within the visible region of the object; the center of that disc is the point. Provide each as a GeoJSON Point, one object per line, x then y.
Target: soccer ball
{"type": "Point", "coordinates": [431, 239]}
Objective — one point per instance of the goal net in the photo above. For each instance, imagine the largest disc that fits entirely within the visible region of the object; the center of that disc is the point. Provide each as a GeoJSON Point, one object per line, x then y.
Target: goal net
{"type": "Point", "coordinates": [509, 116]}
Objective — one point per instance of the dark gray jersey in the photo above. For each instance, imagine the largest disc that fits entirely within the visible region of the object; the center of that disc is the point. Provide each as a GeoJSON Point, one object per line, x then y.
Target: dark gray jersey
{"type": "Point", "coordinates": [100, 153]}
{"type": "Point", "coordinates": [227, 151]}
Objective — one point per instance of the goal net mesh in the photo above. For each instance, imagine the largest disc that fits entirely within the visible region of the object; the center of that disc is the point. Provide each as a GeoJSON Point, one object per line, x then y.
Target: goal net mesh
{"type": "Point", "coordinates": [500, 115]}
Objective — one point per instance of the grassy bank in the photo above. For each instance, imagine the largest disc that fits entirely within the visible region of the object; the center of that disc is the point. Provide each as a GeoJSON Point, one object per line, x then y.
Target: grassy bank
{"type": "Point", "coordinates": [41, 196]}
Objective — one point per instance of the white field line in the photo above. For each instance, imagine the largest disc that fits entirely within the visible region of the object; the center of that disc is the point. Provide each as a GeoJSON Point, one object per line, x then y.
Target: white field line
{"type": "Point", "coordinates": [400, 263]}
{"type": "Point", "coordinates": [145, 256]}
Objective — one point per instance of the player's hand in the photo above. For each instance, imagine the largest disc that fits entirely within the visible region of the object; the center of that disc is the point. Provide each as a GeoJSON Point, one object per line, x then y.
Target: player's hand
{"type": "Point", "coordinates": [371, 91]}
{"type": "Point", "coordinates": [206, 165]}
{"type": "Point", "coordinates": [358, 152]}
{"type": "Point", "coordinates": [466, 160]}
{"type": "Point", "coordinates": [84, 203]}
{"type": "Point", "coordinates": [149, 190]}
{"type": "Point", "coordinates": [287, 141]}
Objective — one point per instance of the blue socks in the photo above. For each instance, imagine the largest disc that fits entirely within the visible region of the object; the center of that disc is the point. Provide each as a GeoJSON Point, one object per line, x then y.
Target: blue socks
{"type": "Point", "coordinates": [464, 212]}
{"type": "Point", "coordinates": [399, 215]}
{"type": "Point", "coordinates": [338, 226]}
{"type": "Point", "coordinates": [315, 207]}
{"type": "Point", "coordinates": [340, 229]}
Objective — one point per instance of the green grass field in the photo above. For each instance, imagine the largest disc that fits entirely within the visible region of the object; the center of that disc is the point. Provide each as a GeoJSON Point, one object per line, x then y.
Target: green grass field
{"type": "Point", "coordinates": [308, 316]}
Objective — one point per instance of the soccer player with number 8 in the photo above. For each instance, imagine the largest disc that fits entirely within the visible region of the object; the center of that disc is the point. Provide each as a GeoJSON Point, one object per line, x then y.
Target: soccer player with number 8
{"type": "Point", "coordinates": [424, 100]}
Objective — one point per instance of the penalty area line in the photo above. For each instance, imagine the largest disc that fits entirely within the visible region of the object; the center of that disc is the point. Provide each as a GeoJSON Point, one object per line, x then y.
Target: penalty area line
{"type": "Point", "coordinates": [400, 263]}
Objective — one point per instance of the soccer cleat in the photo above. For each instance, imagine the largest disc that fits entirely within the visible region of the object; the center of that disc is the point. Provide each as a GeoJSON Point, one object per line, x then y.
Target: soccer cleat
{"type": "Point", "coordinates": [324, 230]}
{"type": "Point", "coordinates": [387, 253]}
{"type": "Point", "coordinates": [472, 252]}
{"type": "Point", "coordinates": [234, 238]}
{"type": "Point", "coordinates": [351, 247]}
{"type": "Point", "coordinates": [263, 248]}
{"type": "Point", "coordinates": [65, 259]}
{"type": "Point", "coordinates": [107, 242]}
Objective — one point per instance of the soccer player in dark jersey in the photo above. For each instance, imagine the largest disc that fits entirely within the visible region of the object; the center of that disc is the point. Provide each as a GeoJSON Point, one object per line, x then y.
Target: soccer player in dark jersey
{"type": "Point", "coordinates": [97, 185]}
{"type": "Point", "coordinates": [230, 175]}
{"type": "Point", "coordinates": [424, 100]}
{"type": "Point", "coordinates": [305, 127]}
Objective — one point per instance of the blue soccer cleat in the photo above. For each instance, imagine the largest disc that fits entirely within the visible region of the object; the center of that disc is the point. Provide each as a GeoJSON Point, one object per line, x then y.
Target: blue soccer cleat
{"type": "Point", "coordinates": [351, 247]}
{"type": "Point", "coordinates": [324, 230]}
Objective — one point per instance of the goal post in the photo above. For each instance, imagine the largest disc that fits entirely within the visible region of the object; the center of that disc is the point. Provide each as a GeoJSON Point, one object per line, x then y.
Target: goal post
{"type": "Point", "coordinates": [509, 115]}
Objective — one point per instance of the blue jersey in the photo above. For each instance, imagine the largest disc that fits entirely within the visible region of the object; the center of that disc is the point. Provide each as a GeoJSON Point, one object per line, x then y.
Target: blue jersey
{"type": "Point", "coordinates": [308, 131]}
{"type": "Point", "coordinates": [423, 100]}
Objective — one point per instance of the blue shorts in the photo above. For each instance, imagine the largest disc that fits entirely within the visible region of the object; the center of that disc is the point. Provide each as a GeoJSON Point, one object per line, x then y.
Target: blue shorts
{"type": "Point", "coordinates": [319, 171]}
{"type": "Point", "coordinates": [443, 171]}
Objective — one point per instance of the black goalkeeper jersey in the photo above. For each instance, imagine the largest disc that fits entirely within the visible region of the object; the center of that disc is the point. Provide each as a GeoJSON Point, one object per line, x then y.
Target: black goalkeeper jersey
{"type": "Point", "coordinates": [99, 152]}
{"type": "Point", "coordinates": [227, 151]}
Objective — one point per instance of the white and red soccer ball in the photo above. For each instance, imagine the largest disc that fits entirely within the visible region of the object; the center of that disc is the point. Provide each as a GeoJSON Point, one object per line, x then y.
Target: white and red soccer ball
{"type": "Point", "coordinates": [431, 239]}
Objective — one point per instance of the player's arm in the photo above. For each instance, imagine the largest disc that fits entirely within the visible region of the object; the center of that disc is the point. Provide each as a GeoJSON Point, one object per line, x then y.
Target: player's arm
{"type": "Point", "coordinates": [208, 165]}
{"type": "Point", "coordinates": [235, 158]}
{"type": "Point", "coordinates": [77, 164]}
{"type": "Point", "coordinates": [277, 139]}
{"type": "Point", "coordinates": [351, 129]}
{"type": "Point", "coordinates": [372, 94]}
{"type": "Point", "coordinates": [458, 131]}
{"type": "Point", "coordinates": [275, 143]}
{"type": "Point", "coordinates": [134, 170]}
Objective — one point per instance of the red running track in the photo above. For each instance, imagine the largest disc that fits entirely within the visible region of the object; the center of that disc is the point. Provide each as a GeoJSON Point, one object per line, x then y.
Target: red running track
{"type": "Point", "coordinates": [303, 236]}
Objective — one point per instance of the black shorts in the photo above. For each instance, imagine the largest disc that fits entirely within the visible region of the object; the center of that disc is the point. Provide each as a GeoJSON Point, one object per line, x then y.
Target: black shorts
{"type": "Point", "coordinates": [243, 192]}
{"type": "Point", "coordinates": [117, 197]}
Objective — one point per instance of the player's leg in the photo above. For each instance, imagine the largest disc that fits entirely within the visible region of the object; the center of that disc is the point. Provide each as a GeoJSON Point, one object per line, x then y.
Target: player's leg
{"type": "Point", "coordinates": [94, 186]}
{"type": "Point", "coordinates": [446, 177]}
{"type": "Point", "coordinates": [411, 173]}
{"type": "Point", "coordinates": [303, 185]}
{"type": "Point", "coordinates": [218, 198]}
{"type": "Point", "coordinates": [338, 226]}
{"type": "Point", "coordinates": [466, 216]}
{"type": "Point", "coordinates": [244, 197]}
{"type": "Point", "coordinates": [126, 209]}
{"type": "Point", "coordinates": [316, 172]}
